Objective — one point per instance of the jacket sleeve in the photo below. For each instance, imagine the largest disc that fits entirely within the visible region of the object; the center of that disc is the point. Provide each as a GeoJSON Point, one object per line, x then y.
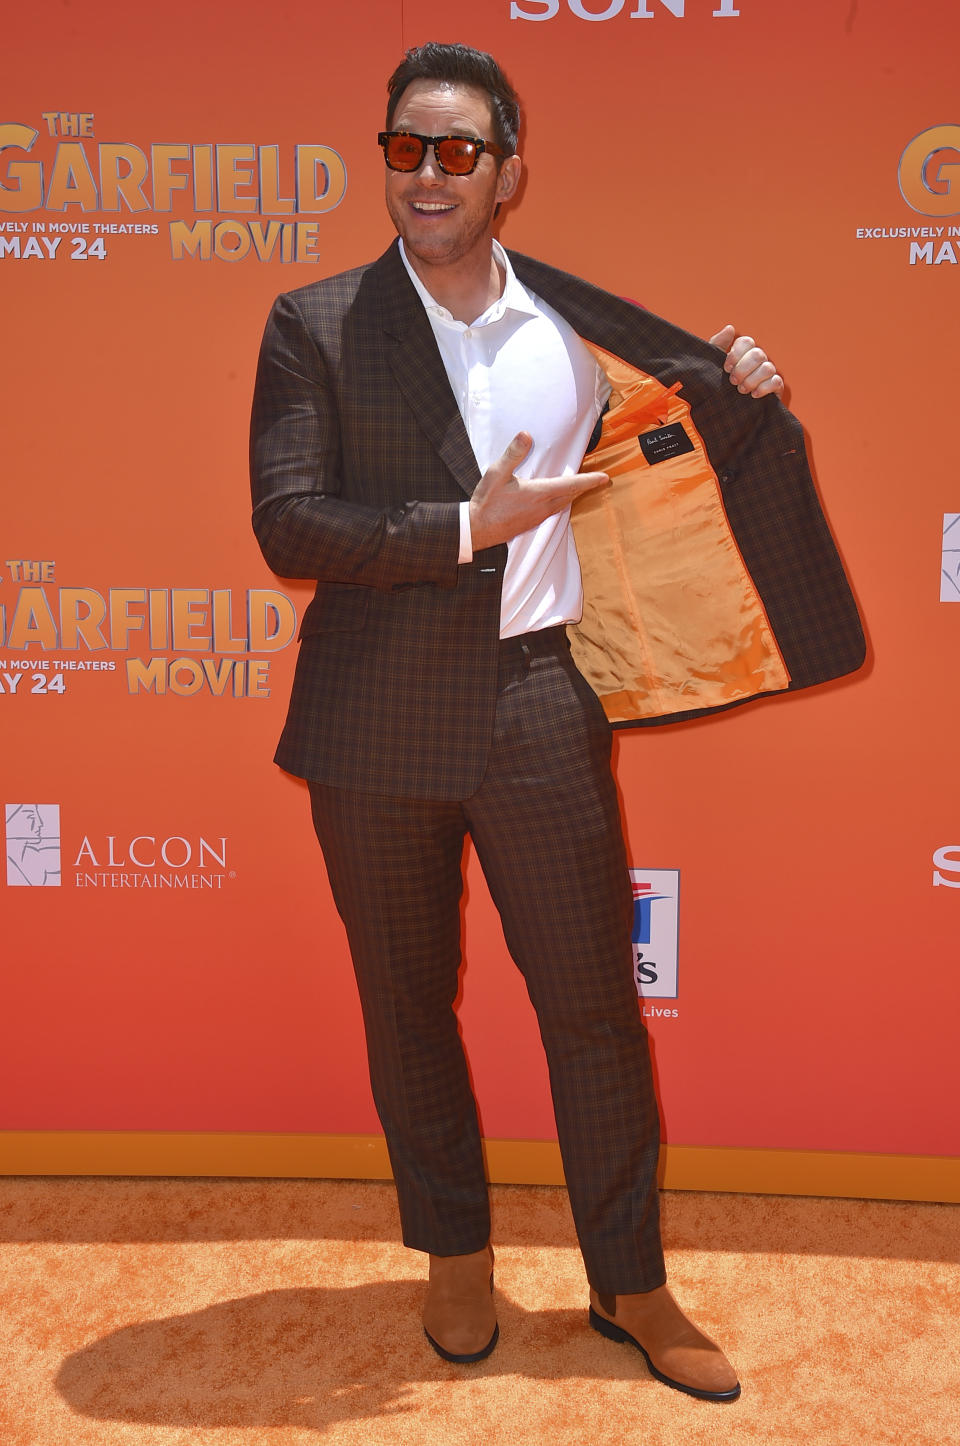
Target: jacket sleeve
{"type": "Point", "coordinates": [305, 528]}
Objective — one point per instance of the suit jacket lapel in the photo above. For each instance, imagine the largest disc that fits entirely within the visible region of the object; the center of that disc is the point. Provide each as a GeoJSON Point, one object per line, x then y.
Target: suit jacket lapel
{"type": "Point", "coordinates": [419, 370]}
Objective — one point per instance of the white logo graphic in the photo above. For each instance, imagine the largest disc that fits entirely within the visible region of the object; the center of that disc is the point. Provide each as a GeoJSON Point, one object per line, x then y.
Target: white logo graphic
{"type": "Point", "coordinates": [146, 861]}
{"type": "Point", "coordinates": [947, 859]}
{"type": "Point", "coordinates": [33, 844]}
{"type": "Point", "coordinates": [610, 9]}
{"type": "Point", "coordinates": [656, 898]}
{"type": "Point", "coordinates": [950, 565]}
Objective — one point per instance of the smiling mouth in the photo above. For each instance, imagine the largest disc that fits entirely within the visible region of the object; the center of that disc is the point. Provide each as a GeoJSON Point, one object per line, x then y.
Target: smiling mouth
{"type": "Point", "coordinates": [432, 208]}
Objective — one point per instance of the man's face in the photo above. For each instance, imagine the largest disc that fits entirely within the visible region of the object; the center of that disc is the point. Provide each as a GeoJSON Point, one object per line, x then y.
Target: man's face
{"type": "Point", "coordinates": [444, 219]}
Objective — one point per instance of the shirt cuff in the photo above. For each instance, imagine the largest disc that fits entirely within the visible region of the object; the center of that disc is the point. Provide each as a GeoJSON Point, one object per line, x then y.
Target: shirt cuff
{"type": "Point", "coordinates": [466, 539]}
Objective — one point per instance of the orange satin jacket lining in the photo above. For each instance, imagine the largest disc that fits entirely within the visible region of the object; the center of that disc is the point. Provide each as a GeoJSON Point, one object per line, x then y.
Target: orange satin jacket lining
{"type": "Point", "coordinates": [671, 619]}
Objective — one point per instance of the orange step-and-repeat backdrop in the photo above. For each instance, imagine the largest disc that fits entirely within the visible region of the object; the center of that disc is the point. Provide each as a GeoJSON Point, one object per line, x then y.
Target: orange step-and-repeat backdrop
{"type": "Point", "coordinates": [172, 959]}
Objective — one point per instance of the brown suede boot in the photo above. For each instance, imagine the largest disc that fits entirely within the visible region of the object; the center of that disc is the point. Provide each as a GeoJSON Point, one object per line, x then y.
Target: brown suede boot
{"type": "Point", "coordinates": [676, 1352]}
{"type": "Point", "coordinates": [459, 1319]}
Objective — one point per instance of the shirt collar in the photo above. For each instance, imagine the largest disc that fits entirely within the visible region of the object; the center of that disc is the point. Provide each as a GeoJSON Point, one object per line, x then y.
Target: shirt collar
{"type": "Point", "coordinates": [514, 297]}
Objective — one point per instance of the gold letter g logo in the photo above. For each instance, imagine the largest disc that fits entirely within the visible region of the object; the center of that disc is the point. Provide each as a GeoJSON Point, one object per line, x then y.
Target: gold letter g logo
{"type": "Point", "coordinates": [930, 172]}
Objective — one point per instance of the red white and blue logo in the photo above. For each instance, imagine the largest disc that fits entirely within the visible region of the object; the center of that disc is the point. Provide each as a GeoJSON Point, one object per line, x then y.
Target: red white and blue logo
{"type": "Point", "coordinates": [656, 899]}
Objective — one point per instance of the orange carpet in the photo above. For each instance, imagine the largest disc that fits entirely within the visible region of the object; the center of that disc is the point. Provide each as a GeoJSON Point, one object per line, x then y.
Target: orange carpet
{"type": "Point", "coordinates": [181, 1313]}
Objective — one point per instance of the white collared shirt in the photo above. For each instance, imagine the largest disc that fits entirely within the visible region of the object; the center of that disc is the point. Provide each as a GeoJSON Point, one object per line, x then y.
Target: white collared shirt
{"type": "Point", "coordinates": [521, 367]}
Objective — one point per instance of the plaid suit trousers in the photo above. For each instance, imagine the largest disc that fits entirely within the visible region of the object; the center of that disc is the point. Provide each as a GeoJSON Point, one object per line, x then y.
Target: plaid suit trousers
{"type": "Point", "coordinates": [546, 826]}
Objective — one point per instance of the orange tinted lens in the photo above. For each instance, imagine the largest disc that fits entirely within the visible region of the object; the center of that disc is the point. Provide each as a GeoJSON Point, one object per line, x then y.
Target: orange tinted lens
{"type": "Point", "coordinates": [458, 155]}
{"type": "Point", "coordinates": [404, 153]}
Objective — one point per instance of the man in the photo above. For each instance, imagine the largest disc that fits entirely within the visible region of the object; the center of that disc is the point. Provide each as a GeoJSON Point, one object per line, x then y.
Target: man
{"type": "Point", "coordinates": [417, 434]}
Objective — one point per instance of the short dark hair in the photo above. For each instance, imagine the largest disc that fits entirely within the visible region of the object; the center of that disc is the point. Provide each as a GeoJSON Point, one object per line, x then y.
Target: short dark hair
{"type": "Point", "coordinates": [460, 65]}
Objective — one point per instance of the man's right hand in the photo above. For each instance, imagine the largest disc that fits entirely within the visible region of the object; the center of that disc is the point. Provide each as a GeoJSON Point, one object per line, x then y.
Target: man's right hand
{"type": "Point", "coordinates": [503, 506]}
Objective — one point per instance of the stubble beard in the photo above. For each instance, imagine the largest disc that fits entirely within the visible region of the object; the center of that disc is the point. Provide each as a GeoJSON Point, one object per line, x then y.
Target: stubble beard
{"type": "Point", "coordinates": [441, 251]}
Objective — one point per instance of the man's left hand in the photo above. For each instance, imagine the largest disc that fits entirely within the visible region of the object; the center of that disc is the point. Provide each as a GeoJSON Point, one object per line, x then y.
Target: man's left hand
{"type": "Point", "coordinates": [750, 369]}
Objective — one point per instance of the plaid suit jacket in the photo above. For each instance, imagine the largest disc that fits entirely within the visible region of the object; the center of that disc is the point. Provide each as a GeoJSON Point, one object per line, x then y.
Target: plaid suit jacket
{"type": "Point", "coordinates": [359, 460]}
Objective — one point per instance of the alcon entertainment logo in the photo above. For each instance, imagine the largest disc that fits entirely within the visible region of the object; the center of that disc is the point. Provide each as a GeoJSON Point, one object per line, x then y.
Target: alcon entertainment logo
{"type": "Point", "coordinates": [33, 845]}
{"type": "Point", "coordinates": [155, 860]}
{"type": "Point", "coordinates": [950, 558]}
{"type": "Point", "coordinates": [150, 861]}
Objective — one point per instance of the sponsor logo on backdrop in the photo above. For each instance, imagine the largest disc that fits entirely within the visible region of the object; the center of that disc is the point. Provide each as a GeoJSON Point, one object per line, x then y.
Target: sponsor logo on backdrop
{"type": "Point", "coordinates": [929, 172]}
{"type": "Point", "coordinates": [33, 844]}
{"type": "Point", "coordinates": [656, 898]}
{"type": "Point", "coordinates": [147, 860]}
{"type": "Point", "coordinates": [610, 9]}
{"type": "Point", "coordinates": [186, 641]}
{"type": "Point", "coordinates": [150, 861]}
{"type": "Point", "coordinates": [946, 866]}
{"type": "Point", "coordinates": [950, 558]}
{"type": "Point", "coordinates": [225, 200]}
{"type": "Point", "coordinates": [928, 175]}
